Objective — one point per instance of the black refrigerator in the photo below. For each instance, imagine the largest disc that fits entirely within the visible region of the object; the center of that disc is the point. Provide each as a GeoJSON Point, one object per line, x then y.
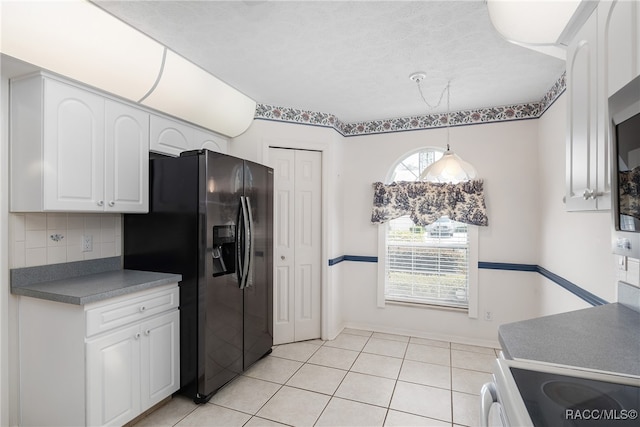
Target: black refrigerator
{"type": "Point", "coordinates": [211, 219]}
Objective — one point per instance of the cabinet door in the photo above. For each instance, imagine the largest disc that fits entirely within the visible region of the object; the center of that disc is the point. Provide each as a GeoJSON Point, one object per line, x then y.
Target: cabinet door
{"type": "Point", "coordinates": [73, 149]}
{"type": "Point", "coordinates": [126, 158]}
{"type": "Point", "coordinates": [170, 137]}
{"type": "Point", "coordinates": [113, 377]}
{"type": "Point", "coordinates": [209, 141]}
{"type": "Point", "coordinates": [581, 157]}
{"type": "Point", "coordinates": [160, 358]}
{"type": "Point", "coordinates": [619, 34]}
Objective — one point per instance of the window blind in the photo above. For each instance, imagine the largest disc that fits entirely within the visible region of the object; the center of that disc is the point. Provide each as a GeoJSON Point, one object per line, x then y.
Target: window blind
{"type": "Point", "coordinates": [427, 265]}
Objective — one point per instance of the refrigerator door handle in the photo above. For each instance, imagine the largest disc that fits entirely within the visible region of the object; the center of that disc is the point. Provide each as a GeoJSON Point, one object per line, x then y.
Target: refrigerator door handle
{"type": "Point", "coordinates": [239, 244]}
{"type": "Point", "coordinates": [245, 243]}
{"type": "Point", "coordinates": [249, 278]}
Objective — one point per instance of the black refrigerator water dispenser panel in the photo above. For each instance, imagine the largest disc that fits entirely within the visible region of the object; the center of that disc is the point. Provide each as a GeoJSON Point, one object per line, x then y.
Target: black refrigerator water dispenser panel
{"type": "Point", "coordinates": [224, 250]}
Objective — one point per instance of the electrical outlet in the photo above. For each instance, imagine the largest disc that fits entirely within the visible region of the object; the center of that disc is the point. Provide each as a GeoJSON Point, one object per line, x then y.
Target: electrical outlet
{"type": "Point", "coordinates": [87, 243]}
{"type": "Point", "coordinates": [488, 315]}
{"type": "Point", "coordinates": [622, 263]}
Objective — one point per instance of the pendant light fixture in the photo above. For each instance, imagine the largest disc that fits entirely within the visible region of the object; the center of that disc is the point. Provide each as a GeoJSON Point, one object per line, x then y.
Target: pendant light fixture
{"type": "Point", "coordinates": [450, 167]}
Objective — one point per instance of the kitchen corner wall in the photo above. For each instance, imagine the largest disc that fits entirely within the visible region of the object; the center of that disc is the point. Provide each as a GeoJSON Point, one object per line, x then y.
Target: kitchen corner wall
{"type": "Point", "coordinates": [573, 245]}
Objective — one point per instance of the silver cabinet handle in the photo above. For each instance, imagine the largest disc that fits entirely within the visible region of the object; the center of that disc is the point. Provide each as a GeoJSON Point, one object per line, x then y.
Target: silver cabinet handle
{"type": "Point", "coordinates": [111, 203]}
{"type": "Point", "coordinates": [142, 308]}
{"type": "Point", "coordinates": [147, 332]}
{"type": "Point", "coordinates": [100, 202]}
{"type": "Point", "coordinates": [137, 336]}
{"type": "Point", "coordinates": [282, 257]}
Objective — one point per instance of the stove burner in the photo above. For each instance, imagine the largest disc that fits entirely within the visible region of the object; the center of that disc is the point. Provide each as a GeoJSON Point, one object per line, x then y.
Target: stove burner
{"type": "Point", "coordinates": [578, 396]}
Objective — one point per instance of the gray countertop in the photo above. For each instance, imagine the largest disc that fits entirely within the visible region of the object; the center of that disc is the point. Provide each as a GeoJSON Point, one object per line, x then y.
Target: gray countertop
{"type": "Point", "coordinates": [83, 289]}
{"type": "Point", "coordinates": [605, 338]}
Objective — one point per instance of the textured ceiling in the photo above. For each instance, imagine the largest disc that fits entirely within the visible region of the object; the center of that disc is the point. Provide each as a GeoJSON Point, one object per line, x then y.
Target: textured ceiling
{"type": "Point", "coordinates": [352, 59]}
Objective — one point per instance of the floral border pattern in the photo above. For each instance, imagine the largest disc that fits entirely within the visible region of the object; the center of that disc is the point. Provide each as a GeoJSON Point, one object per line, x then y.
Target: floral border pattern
{"type": "Point", "coordinates": [531, 110]}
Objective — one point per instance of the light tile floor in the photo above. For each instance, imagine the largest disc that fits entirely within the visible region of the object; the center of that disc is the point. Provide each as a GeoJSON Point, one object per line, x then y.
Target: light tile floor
{"type": "Point", "coordinates": [361, 378]}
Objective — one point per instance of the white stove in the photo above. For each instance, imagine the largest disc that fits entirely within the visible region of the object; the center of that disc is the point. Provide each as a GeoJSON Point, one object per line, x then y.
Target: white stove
{"type": "Point", "coordinates": [529, 393]}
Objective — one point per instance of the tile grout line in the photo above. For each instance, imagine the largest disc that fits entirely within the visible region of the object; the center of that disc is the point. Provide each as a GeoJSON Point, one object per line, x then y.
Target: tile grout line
{"type": "Point", "coordinates": [395, 385]}
{"type": "Point", "coordinates": [341, 381]}
{"type": "Point", "coordinates": [349, 370]}
{"type": "Point", "coordinates": [451, 379]}
{"type": "Point", "coordinates": [282, 386]}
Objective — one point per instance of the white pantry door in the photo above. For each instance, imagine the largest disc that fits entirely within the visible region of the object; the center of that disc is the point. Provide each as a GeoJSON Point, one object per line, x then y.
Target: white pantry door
{"type": "Point", "coordinates": [298, 248]}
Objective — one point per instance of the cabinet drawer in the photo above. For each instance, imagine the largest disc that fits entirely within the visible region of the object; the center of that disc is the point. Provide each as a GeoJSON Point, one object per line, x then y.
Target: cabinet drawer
{"type": "Point", "coordinates": [109, 316]}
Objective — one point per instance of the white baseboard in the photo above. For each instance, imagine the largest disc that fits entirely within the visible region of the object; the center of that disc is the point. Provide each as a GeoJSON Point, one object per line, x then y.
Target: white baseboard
{"type": "Point", "coordinates": [420, 334]}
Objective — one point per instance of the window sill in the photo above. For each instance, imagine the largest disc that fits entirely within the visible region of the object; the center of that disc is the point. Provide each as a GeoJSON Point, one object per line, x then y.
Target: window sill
{"type": "Point", "coordinates": [426, 306]}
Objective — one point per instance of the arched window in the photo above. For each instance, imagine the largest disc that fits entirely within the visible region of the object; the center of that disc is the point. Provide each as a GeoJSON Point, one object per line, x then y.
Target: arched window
{"type": "Point", "coordinates": [429, 265]}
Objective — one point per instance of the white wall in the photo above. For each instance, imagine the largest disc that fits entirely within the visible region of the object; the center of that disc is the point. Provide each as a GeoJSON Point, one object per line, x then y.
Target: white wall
{"type": "Point", "coordinates": [5, 355]}
{"type": "Point", "coordinates": [505, 156]}
{"type": "Point", "coordinates": [573, 245]}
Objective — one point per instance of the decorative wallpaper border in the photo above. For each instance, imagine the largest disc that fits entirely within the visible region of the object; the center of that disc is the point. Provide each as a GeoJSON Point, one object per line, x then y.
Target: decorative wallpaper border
{"type": "Point", "coordinates": [527, 111]}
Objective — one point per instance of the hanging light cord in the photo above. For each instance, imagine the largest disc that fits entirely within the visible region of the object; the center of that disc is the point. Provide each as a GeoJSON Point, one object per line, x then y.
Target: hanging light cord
{"type": "Point", "coordinates": [418, 79]}
{"type": "Point", "coordinates": [448, 112]}
{"type": "Point", "coordinates": [431, 107]}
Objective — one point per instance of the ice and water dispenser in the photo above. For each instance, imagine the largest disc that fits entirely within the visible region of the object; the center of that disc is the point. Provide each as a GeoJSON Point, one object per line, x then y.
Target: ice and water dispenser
{"type": "Point", "coordinates": [224, 250]}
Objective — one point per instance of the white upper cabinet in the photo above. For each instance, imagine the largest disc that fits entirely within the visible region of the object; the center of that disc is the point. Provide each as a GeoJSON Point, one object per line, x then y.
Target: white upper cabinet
{"type": "Point", "coordinates": [582, 189]}
{"type": "Point", "coordinates": [603, 57]}
{"type": "Point", "coordinates": [75, 150]}
{"type": "Point", "coordinates": [72, 147]}
{"type": "Point", "coordinates": [126, 158]}
{"type": "Point", "coordinates": [169, 136]}
{"type": "Point", "coordinates": [209, 141]}
{"type": "Point", "coordinates": [620, 42]}
{"type": "Point", "coordinates": [172, 137]}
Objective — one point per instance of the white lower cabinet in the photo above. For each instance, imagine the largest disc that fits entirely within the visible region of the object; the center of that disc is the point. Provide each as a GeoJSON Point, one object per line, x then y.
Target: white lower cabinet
{"type": "Point", "coordinates": [101, 364]}
{"type": "Point", "coordinates": [131, 369]}
{"type": "Point", "coordinates": [113, 377]}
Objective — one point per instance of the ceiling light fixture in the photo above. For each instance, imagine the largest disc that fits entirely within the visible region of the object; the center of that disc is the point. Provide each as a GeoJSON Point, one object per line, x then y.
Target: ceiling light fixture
{"type": "Point", "coordinates": [79, 40]}
{"type": "Point", "coordinates": [544, 26]}
{"type": "Point", "coordinates": [450, 167]}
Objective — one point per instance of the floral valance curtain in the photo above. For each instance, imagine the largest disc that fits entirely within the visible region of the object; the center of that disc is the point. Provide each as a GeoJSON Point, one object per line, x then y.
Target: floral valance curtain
{"type": "Point", "coordinates": [425, 202]}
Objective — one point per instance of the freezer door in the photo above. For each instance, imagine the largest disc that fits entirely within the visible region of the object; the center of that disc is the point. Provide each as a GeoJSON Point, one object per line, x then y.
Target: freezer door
{"type": "Point", "coordinates": [258, 291]}
{"type": "Point", "coordinates": [221, 321]}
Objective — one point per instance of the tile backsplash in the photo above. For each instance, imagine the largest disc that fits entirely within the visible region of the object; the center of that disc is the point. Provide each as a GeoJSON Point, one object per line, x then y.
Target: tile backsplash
{"type": "Point", "coordinates": [52, 238]}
